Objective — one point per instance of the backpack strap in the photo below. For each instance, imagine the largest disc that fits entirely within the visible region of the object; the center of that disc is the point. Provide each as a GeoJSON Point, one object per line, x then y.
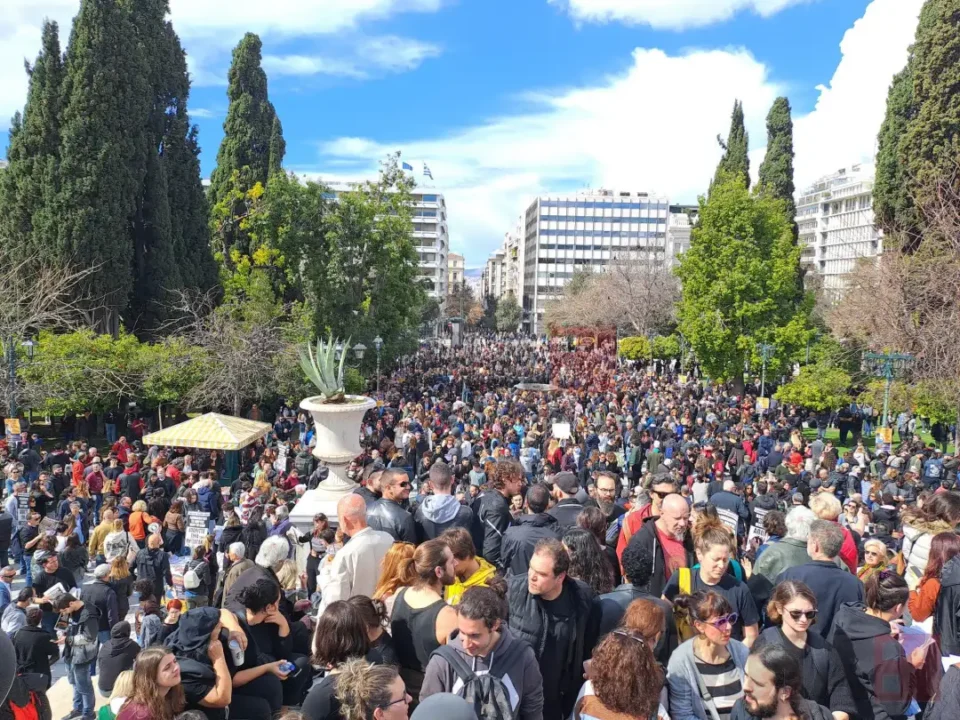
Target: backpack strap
{"type": "Point", "coordinates": [686, 581]}
{"type": "Point", "coordinates": [705, 695]}
{"type": "Point", "coordinates": [457, 663]}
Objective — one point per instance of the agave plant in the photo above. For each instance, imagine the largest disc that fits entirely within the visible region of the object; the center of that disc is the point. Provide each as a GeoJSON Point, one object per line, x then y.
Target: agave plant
{"type": "Point", "coordinates": [322, 370]}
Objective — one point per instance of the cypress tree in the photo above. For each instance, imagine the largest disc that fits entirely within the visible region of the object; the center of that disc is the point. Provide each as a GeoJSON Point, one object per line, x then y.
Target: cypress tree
{"type": "Point", "coordinates": [249, 127]}
{"type": "Point", "coordinates": [735, 162]}
{"type": "Point", "coordinates": [892, 201]}
{"type": "Point", "coordinates": [155, 270]}
{"type": "Point", "coordinates": [28, 187]}
{"type": "Point", "coordinates": [776, 170]}
{"type": "Point", "coordinates": [102, 165]}
{"type": "Point", "coordinates": [278, 146]}
{"type": "Point", "coordinates": [930, 144]}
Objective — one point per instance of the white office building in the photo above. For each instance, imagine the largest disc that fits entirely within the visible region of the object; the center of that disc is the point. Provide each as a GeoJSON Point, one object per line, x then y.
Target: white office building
{"type": "Point", "coordinates": [836, 225]}
{"type": "Point", "coordinates": [431, 237]}
{"type": "Point", "coordinates": [565, 233]}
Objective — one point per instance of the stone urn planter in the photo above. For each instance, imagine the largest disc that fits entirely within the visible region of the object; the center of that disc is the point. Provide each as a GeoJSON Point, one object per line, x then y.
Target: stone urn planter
{"type": "Point", "coordinates": [338, 443]}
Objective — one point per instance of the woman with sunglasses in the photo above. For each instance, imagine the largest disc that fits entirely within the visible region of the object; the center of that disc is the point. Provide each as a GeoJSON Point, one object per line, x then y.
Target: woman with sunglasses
{"type": "Point", "coordinates": [793, 611]}
{"type": "Point", "coordinates": [875, 558]}
{"type": "Point", "coordinates": [705, 673]}
{"type": "Point", "coordinates": [715, 546]}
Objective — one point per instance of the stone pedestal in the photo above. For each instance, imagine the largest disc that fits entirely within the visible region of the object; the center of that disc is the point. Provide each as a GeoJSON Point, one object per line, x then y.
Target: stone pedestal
{"type": "Point", "coordinates": [338, 443]}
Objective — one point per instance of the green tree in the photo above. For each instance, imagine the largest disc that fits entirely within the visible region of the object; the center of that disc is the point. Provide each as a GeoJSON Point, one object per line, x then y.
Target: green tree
{"type": "Point", "coordinates": [28, 187]}
{"type": "Point", "coordinates": [930, 143]}
{"type": "Point", "coordinates": [249, 127]}
{"type": "Point", "coordinates": [636, 348]}
{"type": "Point", "coordinates": [776, 170]}
{"type": "Point", "coordinates": [101, 160]}
{"type": "Point", "coordinates": [508, 313]}
{"type": "Point", "coordinates": [817, 387]}
{"type": "Point", "coordinates": [893, 204]}
{"type": "Point", "coordinates": [665, 347]}
{"type": "Point", "coordinates": [739, 281]}
{"type": "Point", "coordinates": [278, 147]}
{"type": "Point", "coordinates": [735, 162]}
{"type": "Point", "coordinates": [364, 279]}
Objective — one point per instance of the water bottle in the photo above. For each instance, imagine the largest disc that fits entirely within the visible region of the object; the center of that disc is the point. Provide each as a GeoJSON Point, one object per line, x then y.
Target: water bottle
{"type": "Point", "coordinates": [287, 667]}
{"type": "Point", "coordinates": [237, 652]}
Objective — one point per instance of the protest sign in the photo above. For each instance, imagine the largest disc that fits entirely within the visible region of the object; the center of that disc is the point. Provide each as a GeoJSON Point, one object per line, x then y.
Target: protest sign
{"type": "Point", "coordinates": [197, 528]}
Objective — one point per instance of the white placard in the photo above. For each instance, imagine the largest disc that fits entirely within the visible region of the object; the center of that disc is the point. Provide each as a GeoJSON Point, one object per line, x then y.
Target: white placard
{"type": "Point", "coordinates": [198, 524]}
{"type": "Point", "coordinates": [561, 431]}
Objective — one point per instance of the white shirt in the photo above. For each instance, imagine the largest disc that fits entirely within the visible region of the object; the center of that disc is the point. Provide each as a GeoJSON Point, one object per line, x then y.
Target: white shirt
{"type": "Point", "coordinates": [355, 569]}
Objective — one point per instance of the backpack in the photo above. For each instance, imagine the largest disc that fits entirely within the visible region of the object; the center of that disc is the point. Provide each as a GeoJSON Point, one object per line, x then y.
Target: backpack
{"type": "Point", "coordinates": [191, 580]}
{"type": "Point", "coordinates": [685, 629]}
{"type": "Point", "coordinates": [487, 693]}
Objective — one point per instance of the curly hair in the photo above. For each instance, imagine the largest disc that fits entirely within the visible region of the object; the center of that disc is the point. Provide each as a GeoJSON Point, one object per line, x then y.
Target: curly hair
{"type": "Point", "coordinates": [626, 677]}
{"type": "Point", "coordinates": [587, 562]}
{"type": "Point", "coordinates": [363, 687]}
{"type": "Point", "coordinates": [503, 472]}
{"type": "Point", "coordinates": [644, 617]}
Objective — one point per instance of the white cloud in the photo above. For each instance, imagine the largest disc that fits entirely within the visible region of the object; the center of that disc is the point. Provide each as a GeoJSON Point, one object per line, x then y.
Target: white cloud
{"type": "Point", "coordinates": [209, 29]}
{"type": "Point", "coordinates": [652, 128]}
{"type": "Point", "coordinates": [669, 14]}
{"type": "Point", "coordinates": [371, 56]}
{"type": "Point", "coordinates": [205, 113]}
{"type": "Point", "coordinates": [843, 127]}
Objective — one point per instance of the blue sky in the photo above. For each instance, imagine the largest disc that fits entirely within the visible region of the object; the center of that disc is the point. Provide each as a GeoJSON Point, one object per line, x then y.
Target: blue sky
{"type": "Point", "coordinates": [505, 99]}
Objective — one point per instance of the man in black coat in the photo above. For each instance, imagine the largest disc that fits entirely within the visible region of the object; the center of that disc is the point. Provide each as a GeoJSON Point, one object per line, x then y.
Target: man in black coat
{"type": "Point", "coordinates": [6, 533]}
{"type": "Point", "coordinates": [520, 539]}
{"type": "Point", "coordinates": [388, 513]}
{"type": "Point", "coordinates": [568, 507]}
{"type": "Point", "coordinates": [130, 482]}
{"type": "Point", "coordinates": [672, 527]}
{"type": "Point", "coordinates": [36, 648]}
{"type": "Point", "coordinates": [733, 510]}
{"type": "Point", "coordinates": [637, 564]}
{"type": "Point", "coordinates": [492, 510]}
{"type": "Point", "coordinates": [101, 595]}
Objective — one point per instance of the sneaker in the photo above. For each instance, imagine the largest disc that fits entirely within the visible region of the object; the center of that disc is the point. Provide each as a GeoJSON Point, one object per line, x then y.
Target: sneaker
{"type": "Point", "coordinates": [73, 715]}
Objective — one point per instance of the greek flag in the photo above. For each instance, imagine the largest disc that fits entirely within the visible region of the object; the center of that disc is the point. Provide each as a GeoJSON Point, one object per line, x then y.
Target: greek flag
{"type": "Point", "coordinates": [426, 172]}
{"type": "Point", "coordinates": [407, 166]}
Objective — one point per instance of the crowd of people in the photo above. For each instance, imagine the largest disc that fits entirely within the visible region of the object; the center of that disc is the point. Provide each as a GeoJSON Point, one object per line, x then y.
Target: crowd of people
{"type": "Point", "coordinates": [537, 532]}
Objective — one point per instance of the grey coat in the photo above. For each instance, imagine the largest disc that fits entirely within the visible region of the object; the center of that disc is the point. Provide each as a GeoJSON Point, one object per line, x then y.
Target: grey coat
{"type": "Point", "coordinates": [685, 700]}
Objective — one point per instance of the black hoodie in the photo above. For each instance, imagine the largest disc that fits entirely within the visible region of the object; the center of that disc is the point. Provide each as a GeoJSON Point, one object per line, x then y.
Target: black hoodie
{"type": "Point", "coordinates": [946, 624]}
{"type": "Point", "coordinates": [881, 679]}
{"type": "Point", "coordinates": [116, 655]}
{"type": "Point", "coordinates": [189, 644]}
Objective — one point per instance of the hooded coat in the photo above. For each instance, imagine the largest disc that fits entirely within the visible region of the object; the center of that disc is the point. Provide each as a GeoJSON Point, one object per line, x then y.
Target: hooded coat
{"type": "Point", "coordinates": [881, 679]}
{"type": "Point", "coordinates": [946, 624]}
{"type": "Point", "coordinates": [438, 513]}
{"type": "Point", "coordinates": [116, 655]}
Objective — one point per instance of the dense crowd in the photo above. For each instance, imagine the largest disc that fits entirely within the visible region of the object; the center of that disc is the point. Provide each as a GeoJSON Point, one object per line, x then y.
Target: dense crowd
{"type": "Point", "coordinates": [537, 532]}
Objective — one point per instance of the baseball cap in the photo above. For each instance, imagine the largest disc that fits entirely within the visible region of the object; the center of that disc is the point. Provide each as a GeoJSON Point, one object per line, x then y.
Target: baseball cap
{"type": "Point", "coordinates": [567, 482]}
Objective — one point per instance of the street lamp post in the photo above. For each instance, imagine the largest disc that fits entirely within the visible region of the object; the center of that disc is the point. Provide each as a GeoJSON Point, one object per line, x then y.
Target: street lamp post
{"type": "Point", "coordinates": [12, 369]}
{"type": "Point", "coordinates": [378, 345]}
{"type": "Point", "coordinates": [887, 366]}
{"type": "Point", "coordinates": [683, 349]}
{"type": "Point", "coordinates": [766, 352]}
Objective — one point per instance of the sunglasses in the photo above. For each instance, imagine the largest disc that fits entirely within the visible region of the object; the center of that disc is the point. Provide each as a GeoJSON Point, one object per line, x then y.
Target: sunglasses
{"type": "Point", "coordinates": [810, 615]}
{"type": "Point", "coordinates": [404, 484]}
{"type": "Point", "coordinates": [723, 621]}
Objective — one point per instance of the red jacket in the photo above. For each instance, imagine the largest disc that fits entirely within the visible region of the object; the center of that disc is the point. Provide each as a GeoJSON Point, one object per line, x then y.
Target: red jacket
{"type": "Point", "coordinates": [848, 551]}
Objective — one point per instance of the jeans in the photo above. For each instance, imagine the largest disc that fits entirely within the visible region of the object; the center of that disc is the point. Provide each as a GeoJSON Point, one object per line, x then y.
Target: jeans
{"type": "Point", "coordinates": [97, 504]}
{"type": "Point", "coordinates": [26, 568]}
{"type": "Point", "coordinates": [102, 637]}
{"type": "Point", "coordinates": [111, 429]}
{"type": "Point", "coordinates": [4, 558]}
{"type": "Point", "coordinates": [84, 698]}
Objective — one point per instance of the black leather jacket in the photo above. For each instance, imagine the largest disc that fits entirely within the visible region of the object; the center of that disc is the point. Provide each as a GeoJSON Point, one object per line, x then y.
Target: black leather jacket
{"type": "Point", "coordinates": [390, 517]}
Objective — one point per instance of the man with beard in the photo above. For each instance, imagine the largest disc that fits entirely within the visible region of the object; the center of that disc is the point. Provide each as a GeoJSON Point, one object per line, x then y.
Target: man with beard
{"type": "Point", "coordinates": [772, 687]}
{"type": "Point", "coordinates": [668, 539]}
{"type": "Point", "coordinates": [607, 487]}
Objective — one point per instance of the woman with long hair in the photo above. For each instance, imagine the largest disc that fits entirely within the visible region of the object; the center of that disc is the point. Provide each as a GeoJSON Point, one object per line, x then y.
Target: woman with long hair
{"type": "Point", "coordinates": [594, 521]}
{"type": "Point", "coordinates": [122, 689]}
{"type": "Point", "coordinates": [174, 528]}
{"type": "Point", "coordinates": [793, 611]}
{"type": "Point", "coordinates": [254, 533]}
{"type": "Point", "coordinates": [715, 544]}
{"type": "Point", "coordinates": [372, 692]}
{"type": "Point", "coordinates": [882, 678]}
{"type": "Point", "coordinates": [396, 572]}
{"type": "Point", "coordinates": [587, 563]}
{"type": "Point", "coordinates": [122, 582]}
{"type": "Point", "coordinates": [75, 558]}
{"type": "Point", "coordinates": [920, 525]}
{"type": "Point", "coordinates": [625, 680]}
{"type": "Point", "coordinates": [157, 694]}
{"type": "Point", "coordinates": [923, 600]}
{"type": "Point", "coordinates": [340, 636]}
{"type": "Point", "coordinates": [374, 614]}
{"type": "Point", "coordinates": [705, 673]}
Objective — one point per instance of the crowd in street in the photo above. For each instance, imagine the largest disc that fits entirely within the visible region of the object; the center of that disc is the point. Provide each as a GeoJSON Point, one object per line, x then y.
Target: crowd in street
{"type": "Point", "coordinates": [537, 533]}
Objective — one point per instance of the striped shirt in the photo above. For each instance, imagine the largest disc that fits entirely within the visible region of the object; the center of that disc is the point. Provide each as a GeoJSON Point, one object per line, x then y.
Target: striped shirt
{"type": "Point", "coordinates": [724, 682]}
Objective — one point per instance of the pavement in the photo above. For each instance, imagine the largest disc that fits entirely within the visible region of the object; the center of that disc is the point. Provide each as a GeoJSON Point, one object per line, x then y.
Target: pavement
{"type": "Point", "coordinates": [60, 693]}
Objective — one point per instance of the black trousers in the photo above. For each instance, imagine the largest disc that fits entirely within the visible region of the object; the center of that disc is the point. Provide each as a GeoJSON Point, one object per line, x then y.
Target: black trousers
{"type": "Point", "coordinates": [259, 699]}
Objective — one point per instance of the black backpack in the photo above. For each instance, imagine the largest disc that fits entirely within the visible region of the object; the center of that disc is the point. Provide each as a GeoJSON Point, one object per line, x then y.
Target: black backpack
{"type": "Point", "coordinates": [487, 693]}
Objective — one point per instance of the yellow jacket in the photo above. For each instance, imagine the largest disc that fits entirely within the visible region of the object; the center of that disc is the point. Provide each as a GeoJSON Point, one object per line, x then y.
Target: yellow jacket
{"type": "Point", "coordinates": [486, 571]}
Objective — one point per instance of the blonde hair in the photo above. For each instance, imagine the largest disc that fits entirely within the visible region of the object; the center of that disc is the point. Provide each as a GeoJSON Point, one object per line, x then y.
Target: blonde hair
{"type": "Point", "coordinates": [119, 568]}
{"type": "Point", "coordinates": [123, 687]}
{"type": "Point", "coordinates": [363, 687]}
{"type": "Point", "coordinates": [139, 506]}
{"type": "Point", "coordinates": [884, 550]}
{"type": "Point", "coordinates": [825, 506]}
